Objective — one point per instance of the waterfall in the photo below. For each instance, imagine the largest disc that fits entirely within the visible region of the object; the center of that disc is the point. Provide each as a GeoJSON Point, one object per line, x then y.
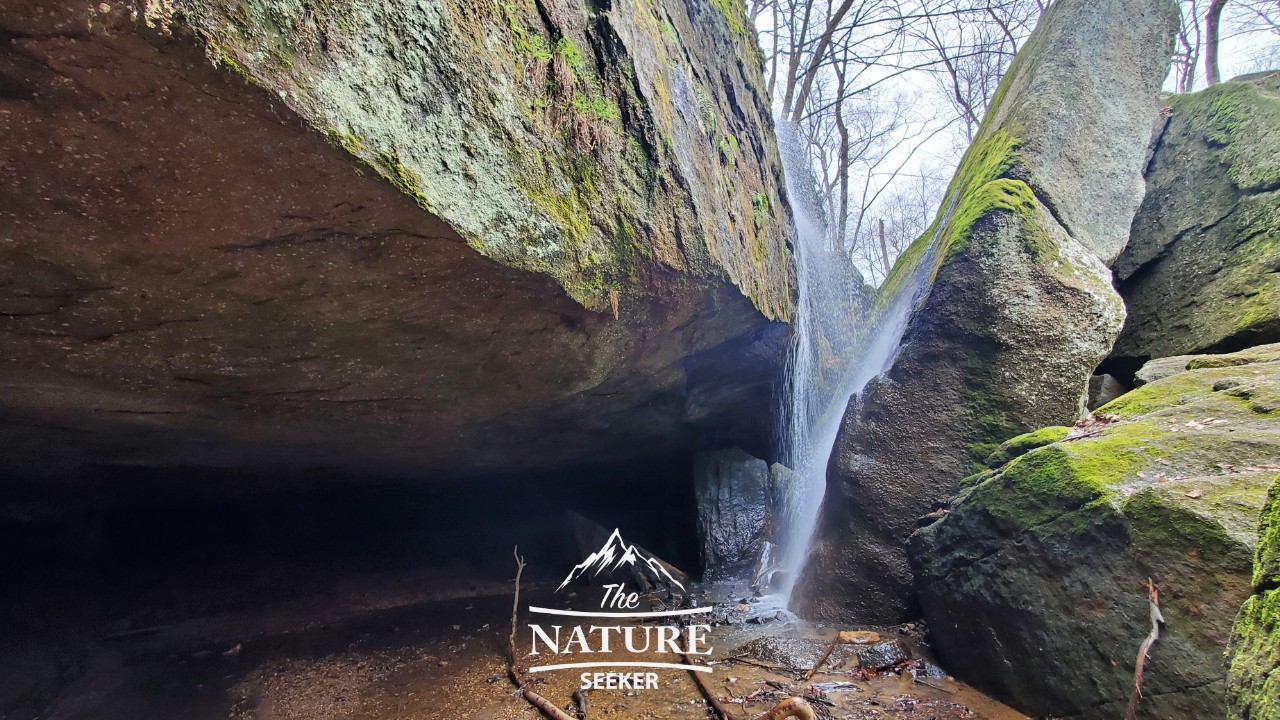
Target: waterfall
{"type": "Point", "coordinates": [840, 342]}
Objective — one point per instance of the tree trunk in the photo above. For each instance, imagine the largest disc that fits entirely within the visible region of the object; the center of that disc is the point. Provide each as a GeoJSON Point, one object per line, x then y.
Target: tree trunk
{"type": "Point", "coordinates": [884, 251]}
{"type": "Point", "coordinates": [1212, 23]}
{"type": "Point", "coordinates": [842, 164]}
{"type": "Point", "coordinates": [815, 62]}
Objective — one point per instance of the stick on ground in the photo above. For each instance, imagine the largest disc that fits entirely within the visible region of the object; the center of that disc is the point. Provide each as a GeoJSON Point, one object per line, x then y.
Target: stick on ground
{"type": "Point", "coordinates": [825, 654]}
{"type": "Point", "coordinates": [1131, 712]}
{"type": "Point", "coordinates": [517, 677]}
{"type": "Point", "coordinates": [722, 712]}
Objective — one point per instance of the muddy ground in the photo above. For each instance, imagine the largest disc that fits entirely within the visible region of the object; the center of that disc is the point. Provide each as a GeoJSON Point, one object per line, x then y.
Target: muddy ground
{"type": "Point", "coordinates": [366, 604]}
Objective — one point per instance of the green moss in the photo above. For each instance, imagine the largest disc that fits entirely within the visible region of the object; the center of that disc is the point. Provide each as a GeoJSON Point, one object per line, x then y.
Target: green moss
{"type": "Point", "coordinates": [1243, 120]}
{"type": "Point", "coordinates": [528, 43]}
{"type": "Point", "coordinates": [1160, 524]}
{"type": "Point", "coordinates": [760, 209]}
{"type": "Point", "coordinates": [978, 189]}
{"type": "Point", "coordinates": [403, 177]}
{"type": "Point", "coordinates": [597, 107]}
{"type": "Point", "coordinates": [564, 208]}
{"type": "Point", "coordinates": [1253, 679]}
{"type": "Point", "coordinates": [1039, 488]}
{"type": "Point", "coordinates": [1161, 395]}
{"type": "Point", "coordinates": [568, 50]}
{"type": "Point", "coordinates": [1267, 562]}
{"type": "Point", "coordinates": [735, 14]}
{"type": "Point", "coordinates": [1023, 444]}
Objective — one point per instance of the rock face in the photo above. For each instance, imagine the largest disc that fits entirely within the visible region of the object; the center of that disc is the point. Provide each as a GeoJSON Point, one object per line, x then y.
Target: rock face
{"type": "Point", "coordinates": [1254, 676]}
{"type": "Point", "coordinates": [735, 511]}
{"type": "Point", "coordinates": [1202, 270]}
{"type": "Point", "coordinates": [1034, 584]}
{"type": "Point", "coordinates": [1018, 307]}
{"type": "Point", "coordinates": [437, 236]}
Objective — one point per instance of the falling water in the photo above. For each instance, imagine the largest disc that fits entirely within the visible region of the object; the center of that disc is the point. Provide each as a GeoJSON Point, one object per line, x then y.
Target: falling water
{"type": "Point", "coordinates": [840, 343]}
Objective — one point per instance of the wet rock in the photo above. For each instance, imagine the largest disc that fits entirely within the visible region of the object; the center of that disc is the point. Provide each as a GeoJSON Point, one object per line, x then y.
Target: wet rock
{"type": "Point", "coordinates": [1016, 306]}
{"type": "Point", "coordinates": [1254, 656]}
{"type": "Point", "coordinates": [766, 573]}
{"type": "Point", "coordinates": [798, 653]}
{"type": "Point", "coordinates": [1034, 585]}
{"type": "Point", "coordinates": [375, 237]}
{"type": "Point", "coordinates": [883, 655]}
{"type": "Point", "coordinates": [735, 511]}
{"type": "Point", "coordinates": [1200, 273]}
{"type": "Point", "coordinates": [1103, 389]}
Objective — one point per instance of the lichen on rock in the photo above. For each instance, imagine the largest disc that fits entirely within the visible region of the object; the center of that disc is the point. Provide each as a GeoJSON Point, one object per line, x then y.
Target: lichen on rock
{"type": "Point", "coordinates": [1202, 269]}
{"type": "Point", "coordinates": [578, 143]}
{"type": "Point", "coordinates": [1034, 583]}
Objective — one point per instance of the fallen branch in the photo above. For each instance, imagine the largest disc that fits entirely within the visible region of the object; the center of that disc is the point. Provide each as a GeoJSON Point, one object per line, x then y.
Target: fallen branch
{"type": "Point", "coordinates": [1131, 711]}
{"type": "Point", "coordinates": [517, 677]}
{"type": "Point", "coordinates": [721, 711]}
{"type": "Point", "coordinates": [825, 654]}
{"type": "Point", "coordinates": [844, 637]}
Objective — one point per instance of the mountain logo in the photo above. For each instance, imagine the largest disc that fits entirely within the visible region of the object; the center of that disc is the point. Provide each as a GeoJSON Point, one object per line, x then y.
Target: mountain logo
{"type": "Point", "coordinates": [615, 554]}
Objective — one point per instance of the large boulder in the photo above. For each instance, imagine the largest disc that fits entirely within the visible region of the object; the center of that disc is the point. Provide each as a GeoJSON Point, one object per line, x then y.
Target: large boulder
{"type": "Point", "coordinates": [383, 237]}
{"type": "Point", "coordinates": [734, 495]}
{"type": "Point", "coordinates": [1202, 270]}
{"type": "Point", "coordinates": [1034, 584]}
{"type": "Point", "coordinates": [1017, 307]}
{"type": "Point", "coordinates": [1254, 676]}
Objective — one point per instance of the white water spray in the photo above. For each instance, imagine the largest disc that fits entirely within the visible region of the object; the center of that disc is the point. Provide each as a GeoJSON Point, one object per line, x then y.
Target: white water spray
{"type": "Point", "coordinates": [839, 345]}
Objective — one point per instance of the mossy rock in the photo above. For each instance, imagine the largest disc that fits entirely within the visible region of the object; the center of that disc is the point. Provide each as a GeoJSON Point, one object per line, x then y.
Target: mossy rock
{"type": "Point", "coordinates": [1008, 300]}
{"type": "Point", "coordinates": [1202, 269]}
{"type": "Point", "coordinates": [553, 137]}
{"type": "Point", "coordinates": [1254, 672]}
{"type": "Point", "coordinates": [1025, 443]}
{"type": "Point", "coordinates": [1034, 584]}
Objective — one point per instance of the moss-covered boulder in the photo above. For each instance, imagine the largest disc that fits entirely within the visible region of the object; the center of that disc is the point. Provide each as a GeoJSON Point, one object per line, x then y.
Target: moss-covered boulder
{"type": "Point", "coordinates": [1254, 676]}
{"type": "Point", "coordinates": [1017, 307]}
{"type": "Point", "coordinates": [435, 237]}
{"type": "Point", "coordinates": [555, 138]}
{"type": "Point", "coordinates": [1202, 270]}
{"type": "Point", "coordinates": [1034, 584]}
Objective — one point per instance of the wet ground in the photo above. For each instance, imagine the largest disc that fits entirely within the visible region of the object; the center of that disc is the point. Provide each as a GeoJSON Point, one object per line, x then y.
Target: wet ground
{"type": "Point", "coordinates": [369, 604]}
{"type": "Point", "coordinates": [392, 650]}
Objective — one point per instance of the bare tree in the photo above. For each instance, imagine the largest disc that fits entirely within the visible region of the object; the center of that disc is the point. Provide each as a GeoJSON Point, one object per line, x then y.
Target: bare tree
{"type": "Point", "coordinates": [837, 67]}
{"type": "Point", "coordinates": [1212, 32]}
{"type": "Point", "coordinates": [1209, 25]}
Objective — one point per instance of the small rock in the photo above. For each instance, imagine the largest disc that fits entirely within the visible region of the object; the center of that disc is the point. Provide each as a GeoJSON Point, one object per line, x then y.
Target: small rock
{"type": "Point", "coordinates": [859, 637]}
{"type": "Point", "coordinates": [883, 655]}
